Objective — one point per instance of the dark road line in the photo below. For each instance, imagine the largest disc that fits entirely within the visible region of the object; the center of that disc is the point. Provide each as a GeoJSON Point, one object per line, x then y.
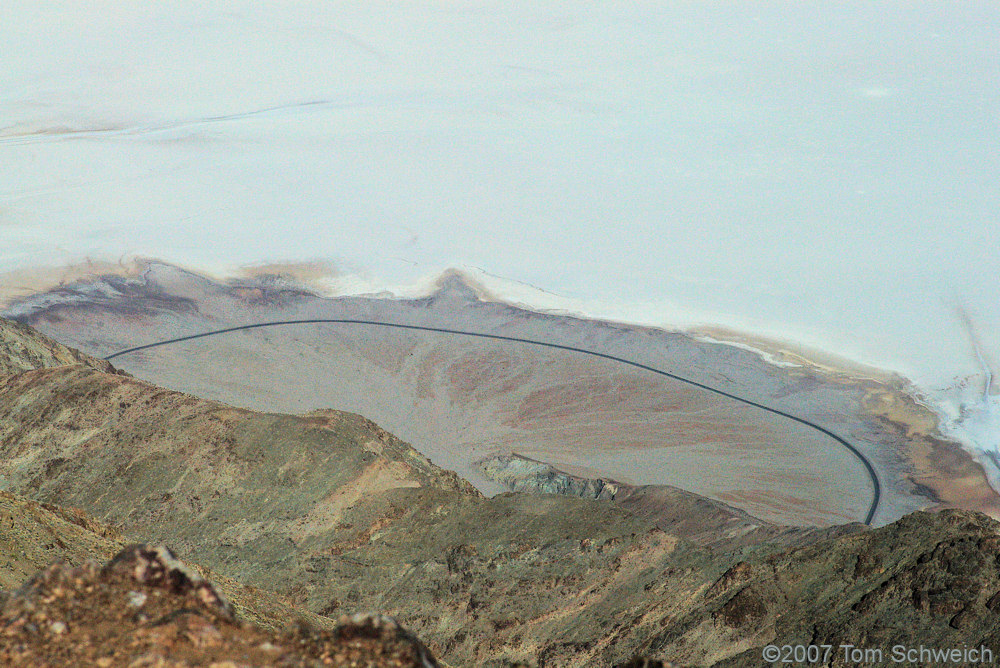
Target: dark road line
{"type": "Point", "coordinates": [876, 486]}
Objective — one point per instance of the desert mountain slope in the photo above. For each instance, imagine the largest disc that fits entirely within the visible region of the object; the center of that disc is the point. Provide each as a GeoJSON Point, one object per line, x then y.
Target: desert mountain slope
{"type": "Point", "coordinates": [928, 579]}
{"type": "Point", "coordinates": [336, 515]}
{"type": "Point", "coordinates": [33, 535]}
{"type": "Point", "coordinates": [22, 348]}
{"type": "Point", "coordinates": [326, 509]}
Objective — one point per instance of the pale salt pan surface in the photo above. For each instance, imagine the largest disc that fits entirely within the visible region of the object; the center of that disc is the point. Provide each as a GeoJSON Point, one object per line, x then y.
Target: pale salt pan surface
{"type": "Point", "coordinates": [820, 173]}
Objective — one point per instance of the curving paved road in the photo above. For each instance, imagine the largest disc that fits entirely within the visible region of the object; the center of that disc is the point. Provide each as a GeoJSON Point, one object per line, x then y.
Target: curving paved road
{"type": "Point", "coordinates": [876, 486]}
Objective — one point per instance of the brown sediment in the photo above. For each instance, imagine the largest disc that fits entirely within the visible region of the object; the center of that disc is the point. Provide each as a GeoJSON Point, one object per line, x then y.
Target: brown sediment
{"type": "Point", "coordinates": [307, 273]}
{"type": "Point", "coordinates": [939, 465]}
{"type": "Point", "coordinates": [831, 366]}
{"type": "Point", "coordinates": [20, 283]}
{"type": "Point", "coordinates": [806, 508]}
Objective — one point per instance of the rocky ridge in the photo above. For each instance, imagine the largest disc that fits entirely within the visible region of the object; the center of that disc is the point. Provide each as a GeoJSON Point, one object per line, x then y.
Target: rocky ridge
{"type": "Point", "coordinates": [23, 349]}
{"type": "Point", "coordinates": [523, 474]}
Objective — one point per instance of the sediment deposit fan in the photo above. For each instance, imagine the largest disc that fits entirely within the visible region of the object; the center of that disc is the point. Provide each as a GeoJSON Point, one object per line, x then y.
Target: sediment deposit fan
{"type": "Point", "coordinates": [876, 486]}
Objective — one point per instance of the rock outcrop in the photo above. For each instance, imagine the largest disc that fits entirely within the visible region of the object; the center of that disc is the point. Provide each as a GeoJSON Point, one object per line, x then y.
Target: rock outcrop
{"type": "Point", "coordinates": [521, 474]}
{"type": "Point", "coordinates": [146, 608]}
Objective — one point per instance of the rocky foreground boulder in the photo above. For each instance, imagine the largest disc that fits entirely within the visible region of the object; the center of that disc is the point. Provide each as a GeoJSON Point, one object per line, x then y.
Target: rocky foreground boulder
{"type": "Point", "coordinates": [146, 608]}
